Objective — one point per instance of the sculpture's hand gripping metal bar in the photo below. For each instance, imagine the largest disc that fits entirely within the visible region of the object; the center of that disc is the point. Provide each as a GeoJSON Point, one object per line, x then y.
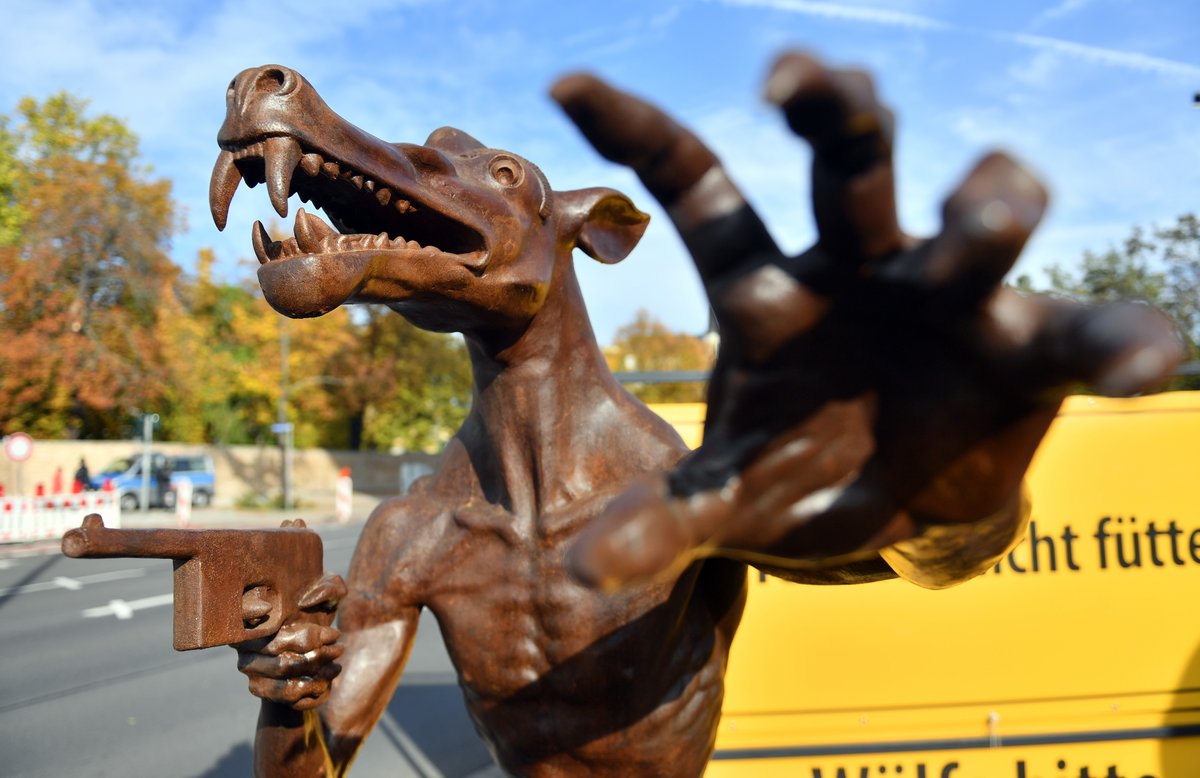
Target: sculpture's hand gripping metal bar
{"type": "Point", "coordinates": [230, 585]}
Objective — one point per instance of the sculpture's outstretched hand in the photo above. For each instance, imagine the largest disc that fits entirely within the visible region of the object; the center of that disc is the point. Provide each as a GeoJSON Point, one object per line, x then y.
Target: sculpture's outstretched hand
{"type": "Point", "coordinates": [872, 388]}
{"type": "Point", "coordinates": [296, 666]}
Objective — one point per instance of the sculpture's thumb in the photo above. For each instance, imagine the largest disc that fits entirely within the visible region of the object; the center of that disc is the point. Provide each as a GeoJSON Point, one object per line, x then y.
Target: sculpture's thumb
{"type": "Point", "coordinates": [324, 595]}
{"type": "Point", "coordinates": [641, 534]}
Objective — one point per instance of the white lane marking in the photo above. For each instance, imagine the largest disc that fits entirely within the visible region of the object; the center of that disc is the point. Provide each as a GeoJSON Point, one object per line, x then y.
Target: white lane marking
{"type": "Point", "coordinates": [71, 583]}
{"type": "Point", "coordinates": [124, 610]}
{"type": "Point", "coordinates": [6, 563]}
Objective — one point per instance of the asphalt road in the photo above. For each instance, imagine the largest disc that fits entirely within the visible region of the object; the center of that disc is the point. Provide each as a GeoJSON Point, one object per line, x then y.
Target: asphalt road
{"type": "Point", "coordinates": [90, 686]}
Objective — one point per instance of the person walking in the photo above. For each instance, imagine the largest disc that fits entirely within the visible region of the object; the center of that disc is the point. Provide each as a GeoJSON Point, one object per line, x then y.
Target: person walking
{"type": "Point", "coordinates": [83, 479]}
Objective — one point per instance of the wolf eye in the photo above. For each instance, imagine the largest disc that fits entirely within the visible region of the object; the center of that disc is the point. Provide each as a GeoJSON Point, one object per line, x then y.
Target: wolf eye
{"type": "Point", "coordinates": [507, 171]}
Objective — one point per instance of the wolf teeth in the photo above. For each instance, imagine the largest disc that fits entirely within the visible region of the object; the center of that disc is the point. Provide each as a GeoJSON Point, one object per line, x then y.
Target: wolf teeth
{"type": "Point", "coordinates": [265, 249]}
{"type": "Point", "coordinates": [311, 163]}
{"type": "Point", "coordinates": [311, 232]}
{"type": "Point", "coordinates": [224, 182]}
{"type": "Point", "coordinates": [281, 154]}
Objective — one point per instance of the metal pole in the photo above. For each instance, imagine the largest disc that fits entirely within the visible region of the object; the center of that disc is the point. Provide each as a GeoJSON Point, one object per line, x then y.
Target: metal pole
{"type": "Point", "coordinates": [285, 438]}
{"type": "Point", "coordinates": [148, 421]}
{"type": "Point", "coordinates": [289, 440]}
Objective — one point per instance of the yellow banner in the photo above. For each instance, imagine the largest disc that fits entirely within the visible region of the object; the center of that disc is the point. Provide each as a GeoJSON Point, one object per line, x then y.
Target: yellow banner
{"type": "Point", "coordinates": [1123, 759]}
{"type": "Point", "coordinates": [1080, 647]}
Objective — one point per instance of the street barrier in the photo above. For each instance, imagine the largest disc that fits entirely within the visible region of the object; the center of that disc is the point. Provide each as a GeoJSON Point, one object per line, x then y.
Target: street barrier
{"type": "Point", "coordinates": [343, 496]}
{"type": "Point", "coordinates": [25, 519]}
{"type": "Point", "coordinates": [183, 501]}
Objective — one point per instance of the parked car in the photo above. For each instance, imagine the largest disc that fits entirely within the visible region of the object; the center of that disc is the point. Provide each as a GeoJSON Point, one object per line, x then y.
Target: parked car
{"type": "Point", "coordinates": [126, 476]}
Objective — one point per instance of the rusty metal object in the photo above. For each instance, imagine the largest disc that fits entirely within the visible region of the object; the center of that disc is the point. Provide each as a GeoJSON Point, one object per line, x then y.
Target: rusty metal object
{"type": "Point", "coordinates": [588, 578]}
{"type": "Point", "coordinates": [230, 585]}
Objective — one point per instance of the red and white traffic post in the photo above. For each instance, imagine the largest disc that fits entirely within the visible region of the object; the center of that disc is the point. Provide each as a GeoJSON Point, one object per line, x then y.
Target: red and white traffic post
{"type": "Point", "coordinates": [343, 496]}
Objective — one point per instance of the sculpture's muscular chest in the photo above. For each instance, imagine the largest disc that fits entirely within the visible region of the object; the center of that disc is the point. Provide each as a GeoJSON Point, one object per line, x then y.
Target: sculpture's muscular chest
{"type": "Point", "coordinates": [518, 626]}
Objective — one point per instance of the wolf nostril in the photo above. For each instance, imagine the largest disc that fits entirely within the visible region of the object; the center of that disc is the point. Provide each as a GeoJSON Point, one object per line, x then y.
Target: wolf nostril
{"type": "Point", "coordinates": [273, 79]}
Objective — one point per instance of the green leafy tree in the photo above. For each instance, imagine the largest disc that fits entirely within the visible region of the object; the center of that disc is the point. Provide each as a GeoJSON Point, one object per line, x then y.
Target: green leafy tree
{"type": "Point", "coordinates": [1159, 266]}
{"type": "Point", "coordinates": [359, 378]}
{"type": "Point", "coordinates": [399, 386]}
{"type": "Point", "coordinates": [84, 230]}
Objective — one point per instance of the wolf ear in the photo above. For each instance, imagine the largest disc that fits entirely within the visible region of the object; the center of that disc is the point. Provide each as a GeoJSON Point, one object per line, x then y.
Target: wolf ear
{"type": "Point", "coordinates": [601, 221]}
{"type": "Point", "coordinates": [452, 140]}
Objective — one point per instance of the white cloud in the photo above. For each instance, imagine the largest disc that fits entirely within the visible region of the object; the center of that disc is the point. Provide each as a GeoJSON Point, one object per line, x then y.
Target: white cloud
{"type": "Point", "coordinates": [854, 13]}
{"type": "Point", "coordinates": [1065, 8]}
{"type": "Point", "coordinates": [883, 16]}
{"type": "Point", "coordinates": [1104, 56]}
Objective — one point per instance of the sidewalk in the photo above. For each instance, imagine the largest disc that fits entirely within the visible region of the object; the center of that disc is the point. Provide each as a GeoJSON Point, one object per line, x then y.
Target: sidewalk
{"type": "Point", "coordinates": [213, 518]}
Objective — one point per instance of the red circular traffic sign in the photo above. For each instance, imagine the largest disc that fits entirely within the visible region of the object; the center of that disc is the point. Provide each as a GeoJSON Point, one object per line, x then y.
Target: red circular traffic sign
{"type": "Point", "coordinates": [18, 446]}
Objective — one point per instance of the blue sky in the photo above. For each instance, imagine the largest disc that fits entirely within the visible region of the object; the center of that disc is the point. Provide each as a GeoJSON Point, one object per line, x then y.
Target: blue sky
{"type": "Point", "coordinates": [1095, 95]}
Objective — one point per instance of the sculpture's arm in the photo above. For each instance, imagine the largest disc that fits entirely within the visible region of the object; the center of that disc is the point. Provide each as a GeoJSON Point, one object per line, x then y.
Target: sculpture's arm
{"type": "Point", "coordinates": [310, 727]}
{"type": "Point", "coordinates": [876, 394]}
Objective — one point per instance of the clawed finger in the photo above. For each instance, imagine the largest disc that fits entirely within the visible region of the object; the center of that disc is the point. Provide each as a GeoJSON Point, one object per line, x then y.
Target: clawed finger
{"type": "Point", "coordinates": [851, 134]}
{"type": "Point", "coordinates": [986, 223]}
{"type": "Point", "coordinates": [1119, 349]}
{"type": "Point", "coordinates": [625, 129]}
{"type": "Point", "coordinates": [1049, 343]}
{"type": "Point", "coordinates": [643, 533]}
{"type": "Point", "coordinates": [713, 218]}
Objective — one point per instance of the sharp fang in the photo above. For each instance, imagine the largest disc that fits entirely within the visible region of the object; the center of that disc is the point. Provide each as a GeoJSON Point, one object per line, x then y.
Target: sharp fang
{"type": "Point", "coordinates": [384, 196]}
{"type": "Point", "coordinates": [369, 185]}
{"type": "Point", "coordinates": [331, 169]}
{"type": "Point", "coordinates": [412, 244]}
{"type": "Point", "coordinates": [281, 155]}
{"type": "Point", "coordinates": [264, 248]}
{"type": "Point", "coordinates": [381, 240]}
{"type": "Point", "coordinates": [225, 178]}
{"type": "Point", "coordinates": [309, 232]}
{"type": "Point", "coordinates": [311, 163]}
{"type": "Point", "coordinates": [357, 181]}
{"type": "Point", "coordinates": [403, 206]}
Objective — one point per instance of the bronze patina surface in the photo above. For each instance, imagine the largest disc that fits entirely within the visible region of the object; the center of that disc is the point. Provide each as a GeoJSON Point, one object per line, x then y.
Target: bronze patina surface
{"type": "Point", "coordinates": [231, 586]}
{"type": "Point", "coordinates": [874, 406]}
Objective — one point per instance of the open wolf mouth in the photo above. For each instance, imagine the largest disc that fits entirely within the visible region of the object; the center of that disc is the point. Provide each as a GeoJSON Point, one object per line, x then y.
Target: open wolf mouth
{"type": "Point", "coordinates": [368, 215]}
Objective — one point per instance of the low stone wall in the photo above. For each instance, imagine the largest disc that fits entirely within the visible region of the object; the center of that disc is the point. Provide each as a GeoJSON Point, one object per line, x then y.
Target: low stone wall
{"type": "Point", "coordinates": [241, 471]}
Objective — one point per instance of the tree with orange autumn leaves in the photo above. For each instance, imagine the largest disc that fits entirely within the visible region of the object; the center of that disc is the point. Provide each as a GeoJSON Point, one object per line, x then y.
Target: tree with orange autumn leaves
{"type": "Point", "coordinates": [83, 265]}
{"type": "Point", "coordinates": [99, 324]}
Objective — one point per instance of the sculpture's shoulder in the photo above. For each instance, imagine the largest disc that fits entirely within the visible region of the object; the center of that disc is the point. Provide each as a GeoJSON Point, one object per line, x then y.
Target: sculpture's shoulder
{"type": "Point", "coordinates": [398, 546]}
{"type": "Point", "coordinates": [625, 440]}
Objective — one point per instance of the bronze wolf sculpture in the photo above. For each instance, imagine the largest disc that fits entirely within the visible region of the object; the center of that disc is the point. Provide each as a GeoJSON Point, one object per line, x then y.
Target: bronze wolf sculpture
{"type": "Point", "coordinates": [873, 408]}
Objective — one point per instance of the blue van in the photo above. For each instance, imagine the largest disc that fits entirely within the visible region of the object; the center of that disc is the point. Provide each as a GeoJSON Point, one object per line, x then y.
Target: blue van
{"type": "Point", "coordinates": [126, 476]}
